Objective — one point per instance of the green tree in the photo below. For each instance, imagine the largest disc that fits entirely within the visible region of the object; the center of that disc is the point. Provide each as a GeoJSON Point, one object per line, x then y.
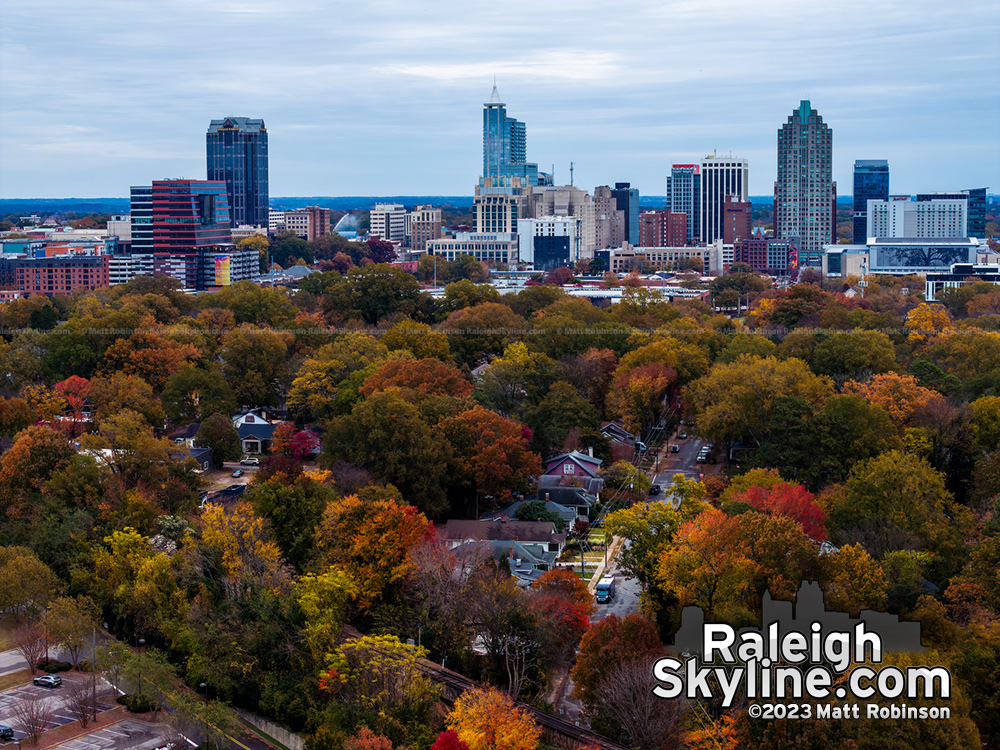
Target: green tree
{"type": "Point", "coordinates": [27, 584]}
{"type": "Point", "coordinates": [387, 436]}
{"type": "Point", "coordinates": [193, 395]}
{"type": "Point", "coordinates": [254, 364]}
{"type": "Point", "coordinates": [217, 432]}
{"type": "Point", "coordinates": [293, 511]}
{"type": "Point", "coordinates": [737, 401]}
{"type": "Point", "coordinates": [853, 356]}
{"type": "Point", "coordinates": [372, 293]}
{"type": "Point", "coordinates": [560, 411]}
{"type": "Point", "coordinates": [70, 622]}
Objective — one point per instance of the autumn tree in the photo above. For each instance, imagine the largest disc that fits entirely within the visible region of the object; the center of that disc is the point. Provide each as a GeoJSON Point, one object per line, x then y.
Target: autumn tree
{"type": "Point", "coordinates": [478, 332]}
{"type": "Point", "coordinates": [387, 436]}
{"type": "Point", "coordinates": [366, 739]}
{"type": "Point", "coordinates": [27, 584]}
{"type": "Point", "coordinates": [515, 381]}
{"type": "Point", "coordinates": [899, 501]}
{"type": "Point", "coordinates": [37, 452]}
{"type": "Point", "coordinates": [628, 711]}
{"type": "Point", "coordinates": [736, 401]}
{"type": "Point", "coordinates": [69, 622]}
{"type": "Point", "coordinates": [323, 599]}
{"type": "Point", "coordinates": [218, 434]}
{"type": "Point", "coordinates": [562, 605]}
{"type": "Point", "coordinates": [900, 396]}
{"type": "Point", "coordinates": [608, 643]}
{"type": "Point", "coordinates": [851, 356]}
{"type": "Point", "coordinates": [490, 454]}
{"type": "Point", "coordinates": [418, 379]}
{"type": "Point", "coordinates": [315, 390]}
{"type": "Point", "coordinates": [422, 341]}
{"type": "Point", "coordinates": [487, 719]}
{"type": "Point", "coordinates": [370, 540]}
{"type": "Point", "coordinates": [118, 392]}
{"type": "Point", "coordinates": [128, 447]}
{"type": "Point", "coordinates": [253, 362]}
{"type": "Point", "coordinates": [785, 499]}
{"type": "Point", "coordinates": [639, 396]}
{"type": "Point", "coordinates": [194, 394]}
{"type": "Point", "coordinates": [376, 674]}
{"type": "Point", "coordinates": [250, 560]}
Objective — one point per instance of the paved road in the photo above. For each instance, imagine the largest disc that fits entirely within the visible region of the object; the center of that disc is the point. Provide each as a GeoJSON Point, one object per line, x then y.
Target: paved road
{"type": "Point", "coordinates": [684, 462]}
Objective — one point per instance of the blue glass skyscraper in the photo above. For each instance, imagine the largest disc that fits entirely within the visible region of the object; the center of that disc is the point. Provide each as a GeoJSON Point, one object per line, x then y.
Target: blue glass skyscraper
{"type": "Point", "coordinates": [505, 144]}
{"type": "Point", "coordinates": [236, 149]}
{"type": "Point", "coordinates": [871, 182]}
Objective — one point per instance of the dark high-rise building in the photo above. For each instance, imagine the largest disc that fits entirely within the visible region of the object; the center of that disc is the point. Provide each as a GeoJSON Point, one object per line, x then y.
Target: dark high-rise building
{"type": "Point", "coordinates": [804, 193]}
{"type": "Point", "coordinates": [871, 182]}
{"type": "Point", "coordinates": [627, 201]}
{"type": "Point", "coordinates": [236, 149]}
{"type": "Point", "coordinates": [505, 144]}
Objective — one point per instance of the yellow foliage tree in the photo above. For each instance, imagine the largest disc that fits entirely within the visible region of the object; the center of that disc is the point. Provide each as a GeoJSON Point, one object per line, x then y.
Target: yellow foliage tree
{"type": "Point", "coordinates": [926, 320]}
{"type": "Point", "coordinates": [855, 580]}
{"type": "Point", "coordinates": [249, 556]}
{"type": "Point", "coordinates": [489, 720]}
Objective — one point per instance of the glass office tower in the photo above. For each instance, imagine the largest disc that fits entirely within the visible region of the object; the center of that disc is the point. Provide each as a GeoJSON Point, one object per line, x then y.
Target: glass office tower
{"type": "Point", "coordinates": [871, 182]}
{"type": "Point", "coordinates": [236, 149]}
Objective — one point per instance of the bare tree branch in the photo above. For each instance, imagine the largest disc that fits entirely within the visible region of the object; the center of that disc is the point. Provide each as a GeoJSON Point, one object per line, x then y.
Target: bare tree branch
{"type": "Point", "coordinates": [32, 715]}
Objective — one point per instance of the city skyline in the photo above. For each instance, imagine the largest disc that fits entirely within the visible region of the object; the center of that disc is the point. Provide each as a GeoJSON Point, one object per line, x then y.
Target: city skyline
{"type": "Point", "coordinates": [387, 100]}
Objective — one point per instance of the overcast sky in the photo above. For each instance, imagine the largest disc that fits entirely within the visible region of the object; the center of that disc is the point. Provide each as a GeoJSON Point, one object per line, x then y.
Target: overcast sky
{"type": "Point", "coordinates": [385, 97]}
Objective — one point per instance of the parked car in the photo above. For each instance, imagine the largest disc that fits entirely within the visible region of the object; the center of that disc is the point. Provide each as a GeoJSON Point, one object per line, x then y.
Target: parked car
{"type": "Point", "coordinates": [250, 462]}
{"type": "Point", "coordinates": [6, 733]}
{"type": "Point", "coordinates": [48, 680]}
{"type": "Point", "coordinates": [675, 449]}
{"type": "Point", "coordinates": [683, 435]}
{"type": "Point", "coordinates": [640, 446]}
{"type": "Point", "coordinates": [654, 490]}
{"type": "Point", "coordinates": [237, 473]}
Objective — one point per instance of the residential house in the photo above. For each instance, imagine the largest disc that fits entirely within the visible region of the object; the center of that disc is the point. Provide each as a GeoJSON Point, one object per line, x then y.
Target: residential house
{"type": "Point", "coordinates": [255, 428]}
{"type": "Point", "coordinates": [575, 469]}
{"type": "Point", "coordinates": [186, 435]}
{"type": "Point", "coordinates": [534, 544]}
{"type": "Point", "coordinates": [205, 458]}
{"type": "Point", "coordinates": [617, 434]}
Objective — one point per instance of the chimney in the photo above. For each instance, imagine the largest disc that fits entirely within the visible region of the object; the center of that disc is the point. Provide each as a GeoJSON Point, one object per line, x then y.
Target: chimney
{"type": "Point", "coordinates": [546, 497]}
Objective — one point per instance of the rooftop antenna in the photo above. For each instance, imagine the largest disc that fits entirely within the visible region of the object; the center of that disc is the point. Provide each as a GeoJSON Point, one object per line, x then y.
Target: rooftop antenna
{"type": "Point", "coordinates": [571, 174]}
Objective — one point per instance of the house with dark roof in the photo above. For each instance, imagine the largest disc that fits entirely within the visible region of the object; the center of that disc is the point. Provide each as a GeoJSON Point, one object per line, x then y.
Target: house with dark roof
{"type": "Point", "coordinates": [529, 543]}
{"type": "Point", "coordinates": [573, 468]}
{"type": "Point", "coordinates": [204, 457]}
{"type": "Point", "coordinates": [255, 428]}
{"type": "Point", "coordinates": [616, 433]}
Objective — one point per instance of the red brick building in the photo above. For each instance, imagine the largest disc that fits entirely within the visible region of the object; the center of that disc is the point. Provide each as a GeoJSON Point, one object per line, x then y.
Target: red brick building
{"type": "Point", "coordinates": [62, 275]}
{"type": "Point", "coordinates": [738, 220]}
{"type": "Point", "coordinates": [662, 229]}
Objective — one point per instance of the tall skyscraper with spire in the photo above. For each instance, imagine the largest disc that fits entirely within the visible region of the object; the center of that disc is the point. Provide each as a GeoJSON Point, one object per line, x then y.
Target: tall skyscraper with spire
{"type": "Point", "coordinates": [805, 194]}
{"type": "Point", "coordinates": [504, 144]}
{"type": "Point", "coordinates": [236, 149]}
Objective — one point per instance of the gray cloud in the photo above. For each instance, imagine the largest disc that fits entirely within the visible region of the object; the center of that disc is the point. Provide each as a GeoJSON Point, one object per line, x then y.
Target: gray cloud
{"type": "Point", "coordinates": [385, 97]}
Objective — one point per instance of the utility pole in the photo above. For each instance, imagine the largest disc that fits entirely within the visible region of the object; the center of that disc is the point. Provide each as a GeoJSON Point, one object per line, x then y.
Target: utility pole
{"type": "Point", "coordinates": [93, 673]}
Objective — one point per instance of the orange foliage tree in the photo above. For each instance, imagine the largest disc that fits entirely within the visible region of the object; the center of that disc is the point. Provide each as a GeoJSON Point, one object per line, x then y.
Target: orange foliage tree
{"type": "Point", "coordinates": [607, 644]}
{"type": "Point", "coordinates": [418, 379]}
{"type": "Point", "coordinates": [899, 395]}
{"type": "Point", "coordinates": [371, 540]}
{"type": "Point", "coordinates": [491, 454]}
{"type": "Point", "coordinates": [489, 720]}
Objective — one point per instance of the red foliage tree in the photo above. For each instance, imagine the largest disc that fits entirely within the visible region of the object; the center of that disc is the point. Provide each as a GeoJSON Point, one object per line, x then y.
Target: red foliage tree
{"type": "Point", "coordinates": [448, 741]}
{"type": "Point", "coordinates": [789, 500]}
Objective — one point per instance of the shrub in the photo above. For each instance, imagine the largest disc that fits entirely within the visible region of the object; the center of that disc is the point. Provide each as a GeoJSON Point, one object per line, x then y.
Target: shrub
{"type": "Point", "coordinates": [51, 666]}
{"type": "Point", "coordinates": [136, 703]}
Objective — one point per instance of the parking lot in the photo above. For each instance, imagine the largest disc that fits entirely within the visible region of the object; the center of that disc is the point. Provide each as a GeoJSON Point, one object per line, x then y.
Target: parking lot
{"type": "Point", "coordinates": [125, 735]}
{"type": "Point", "coordinates": [56, 700]}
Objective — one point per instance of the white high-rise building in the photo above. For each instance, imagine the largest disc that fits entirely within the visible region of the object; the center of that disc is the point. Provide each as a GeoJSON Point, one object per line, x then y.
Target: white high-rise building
{"type": "Point", "coordinates": [721, 176]}
{"type": "Point", "coordinates": [549, 241]}
{"type": "Point", "coordinates": [565, 201]}
{"type": "Point", "coordinates": [941, 218]}
{"type": "Point", "coordinates": [388, 221]}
